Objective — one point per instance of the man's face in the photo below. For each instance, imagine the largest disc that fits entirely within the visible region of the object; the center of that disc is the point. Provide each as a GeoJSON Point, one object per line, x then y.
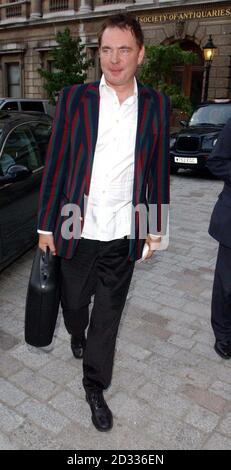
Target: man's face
{"type": "Point", "coordinates": [119, 56]}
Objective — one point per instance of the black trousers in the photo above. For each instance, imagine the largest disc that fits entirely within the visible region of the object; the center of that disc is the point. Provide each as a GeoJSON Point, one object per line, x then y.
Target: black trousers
{"type": "Point", "coordinates": [103, 269]}
{"type": "Point", "coordinates": [221, 297]}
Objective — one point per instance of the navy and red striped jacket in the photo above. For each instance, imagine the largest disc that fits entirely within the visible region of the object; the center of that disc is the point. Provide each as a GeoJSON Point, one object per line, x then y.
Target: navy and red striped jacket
{"type": "Point", "coordinates": [70, 154]}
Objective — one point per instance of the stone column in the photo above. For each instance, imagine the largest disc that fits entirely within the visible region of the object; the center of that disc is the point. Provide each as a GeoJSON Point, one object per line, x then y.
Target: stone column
{"type": "Point", "coordinates": [85, 6]}
{"type": "Point", "coordinates": [36, 9]}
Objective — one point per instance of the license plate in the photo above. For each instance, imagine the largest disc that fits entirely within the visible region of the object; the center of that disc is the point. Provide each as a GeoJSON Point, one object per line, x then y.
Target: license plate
{"type": "Point", "coordinates": [185, 160]}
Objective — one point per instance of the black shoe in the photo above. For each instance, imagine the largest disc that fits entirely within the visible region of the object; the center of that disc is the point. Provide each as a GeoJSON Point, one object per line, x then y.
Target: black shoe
{"type": "Point", "coordinates": [223, 348]}
{"type": "Point", "coordinates": [77, 346]}
{"type": "Point", "coordinates": [101, 415]}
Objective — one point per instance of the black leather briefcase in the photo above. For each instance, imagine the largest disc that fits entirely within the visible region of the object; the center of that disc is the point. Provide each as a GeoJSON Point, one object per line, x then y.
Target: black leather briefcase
{"type": "Point", "coordinates": [43, 298]}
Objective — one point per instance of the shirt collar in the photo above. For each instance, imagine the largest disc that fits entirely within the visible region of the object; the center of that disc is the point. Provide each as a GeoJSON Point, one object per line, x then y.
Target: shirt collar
{"type": "Point", "coordinates": [103, 86]}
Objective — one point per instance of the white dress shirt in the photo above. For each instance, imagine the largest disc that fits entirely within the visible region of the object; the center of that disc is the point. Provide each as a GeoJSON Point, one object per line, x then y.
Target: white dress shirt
{"type": "Point", "coordinates": [109, 207]}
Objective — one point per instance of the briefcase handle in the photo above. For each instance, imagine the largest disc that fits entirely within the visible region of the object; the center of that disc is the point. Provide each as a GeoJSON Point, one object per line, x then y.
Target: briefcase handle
{"type": "Point", "coordinates": [46, 260]}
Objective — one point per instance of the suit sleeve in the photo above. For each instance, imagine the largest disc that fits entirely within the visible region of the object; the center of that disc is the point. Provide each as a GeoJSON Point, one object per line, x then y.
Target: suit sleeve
{"type": "Point", "coordinates": [219, 162]}
{"type": "Point", "coordinates": [159, 174]}
{"type": "Point", "coordinates": [55, 167]}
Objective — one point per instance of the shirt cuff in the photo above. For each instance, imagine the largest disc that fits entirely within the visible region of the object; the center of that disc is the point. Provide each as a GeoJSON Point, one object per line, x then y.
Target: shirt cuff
{"type": "Point", "coordinates": [44, 232]}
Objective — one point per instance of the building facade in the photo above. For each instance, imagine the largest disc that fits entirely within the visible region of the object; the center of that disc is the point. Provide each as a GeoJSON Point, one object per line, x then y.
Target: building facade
{"type": "Point", "coordinates": [28, 29]}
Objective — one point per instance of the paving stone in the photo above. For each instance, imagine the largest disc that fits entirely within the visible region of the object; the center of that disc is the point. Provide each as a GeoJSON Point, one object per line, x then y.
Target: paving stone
{"type": "Point", "coordinates": [145, 336]}
{"type": "Point", "coordinates": [10, 394]}
{"type": "Point", "coordinates": [173, 433]}
{"type": "Point", "coordinates": [181, 341]}
{"type": "Point", "coordinates": [7, 341]}
{"type": "Point", "coordinates": [63, 351]}
{"type": "Point", "coordinates": [33, 359]}
{"type": "Point", "coordinates": [222, 389]}
{"type": "Point", "coordinates": [130, 411]}
{"type": "Point", "coordinates": [42, 415]}
{"type": "Point", "coordinates": [187, 357]}
{"type": "Point", "coordinates": [59, 371]}
{"type": "Point", "coordinates": [9, 419]}
{"type": "Point", "coordinates": [175, 314]}
{"type": "Point", "coordinates": [205, 337]}
{"type": "Point", "coordinates": [170, 301]}
{"type": "Point", "coordinates": [173, 404]}
{"type": "Point", "coordinates": [201, 418]}
{"type": "Point", "coordinates": [225, 425]}
{"type": "Point", "coordinates": [28, 436]}
{"type": "Point", "coordinates": [193, 376]}
{"type": "Point", "coordinates": [174, 292]}
{"type": "Point", "coordinates": [165, 349]}
{"type": "Point", "coordinates": [155, 319]}
{"type": "Point", "coordinates": [135, 365]}
{"type": "Point", "coordinates": [132, 349]}
{"type": "Point", "coordinates": [9, 365]}
{"type": "Point", "coordinates": [73, 407]}
{"type": "Point", "coordinates": [76, 386]}
{"type": "Point", "coordinates": [175, 326]}
{"type": "Point", "coordinates": [206, 351]}
{"type": "Point", "coordinates": [198, 308]}
{"type": "Point", "coordinates": [223, 374]}
{"type": "Point", "coordinates": [123, 379]}
{"type": "Point", "coordinates": [15, 327]}
{"type": "Point", "coordinates": [34, 384]}
{"type": "Point", "coordinates": [150, 392]}
{"type": "Point", "coordinates": [6, 444]}
{"type": "Point", "coordinates": [205, 398]}
{"type": "Point", "coordinates": [217, 442]}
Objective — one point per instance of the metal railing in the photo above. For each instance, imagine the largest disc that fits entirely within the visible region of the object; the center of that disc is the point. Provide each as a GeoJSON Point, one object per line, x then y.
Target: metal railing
{"type": "Point", "coordinates": [59, 5]}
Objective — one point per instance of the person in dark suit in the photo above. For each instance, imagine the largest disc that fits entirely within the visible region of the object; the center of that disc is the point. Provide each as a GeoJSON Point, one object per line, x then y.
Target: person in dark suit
{"type": "Point", "coordinates": [110, 142]}
{"type": "Point", "coordinates": [219, 163]}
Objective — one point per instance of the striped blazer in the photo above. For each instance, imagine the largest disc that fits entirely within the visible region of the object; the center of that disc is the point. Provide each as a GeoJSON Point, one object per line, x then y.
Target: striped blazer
{"type": "Point", "coordinates": [70, 154]}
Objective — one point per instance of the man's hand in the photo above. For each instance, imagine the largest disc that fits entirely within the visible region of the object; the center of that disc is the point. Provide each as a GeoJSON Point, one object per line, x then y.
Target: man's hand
{"type": "Point", "coordinates": [47, 241]}
{"type": "Point", "coordinates": [153, 242]}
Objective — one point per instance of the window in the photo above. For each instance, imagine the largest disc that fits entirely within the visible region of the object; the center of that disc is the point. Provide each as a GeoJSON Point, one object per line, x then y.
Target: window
{"type": "Point", "coordinates": [42, 132]}
{"type": "Point", "coordinates": [32, 106]}
{"type": "Point", "coordinates": [13, 80]}
{"type": "Point", "coordinates": [10, 106]}
{"type": "Point", "coordinates": [20, 148]}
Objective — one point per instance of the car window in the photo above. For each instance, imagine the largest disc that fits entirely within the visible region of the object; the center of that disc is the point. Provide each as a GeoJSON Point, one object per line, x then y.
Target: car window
{"type": "Point", "coordinates": [20, 148]}
{"type": "Point", "coordinates": [6, 161]}
{"type": "Point", "coordinates": [42, 132]}
{"type": "Point", "coordinates": [213, 114]}
{"type": "Point", "coordinates": [11, 106]}
{"type": "Point", "coordinates": [32, 106]}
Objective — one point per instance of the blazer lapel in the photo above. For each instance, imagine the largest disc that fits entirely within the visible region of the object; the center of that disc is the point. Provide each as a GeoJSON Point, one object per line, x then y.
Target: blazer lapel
{"type": "Point", "coordinates": [145, 108]}
{"type": "Point", "coordinates": [91, 122]}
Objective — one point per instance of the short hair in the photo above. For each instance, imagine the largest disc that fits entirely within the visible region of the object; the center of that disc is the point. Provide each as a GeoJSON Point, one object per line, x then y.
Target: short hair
{"type": "Point", "coordinates": [123, 21]}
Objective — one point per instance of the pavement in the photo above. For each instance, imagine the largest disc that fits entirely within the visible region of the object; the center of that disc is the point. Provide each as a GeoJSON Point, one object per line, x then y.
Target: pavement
{"type": "Point", "coordinates": [170, 390]}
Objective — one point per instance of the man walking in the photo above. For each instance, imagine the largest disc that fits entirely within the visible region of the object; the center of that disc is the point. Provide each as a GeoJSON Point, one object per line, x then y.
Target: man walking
{"type": "Point", "coordinates": [109, 143]}
{"type": "Point", "coordinates": [219, 163]}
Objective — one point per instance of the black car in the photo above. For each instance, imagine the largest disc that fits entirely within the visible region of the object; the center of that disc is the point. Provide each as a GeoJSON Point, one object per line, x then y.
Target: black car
{"type": "Point", "coordinates": [23, 142]}
{"type": "Point", "coordinates": [191, 147]}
